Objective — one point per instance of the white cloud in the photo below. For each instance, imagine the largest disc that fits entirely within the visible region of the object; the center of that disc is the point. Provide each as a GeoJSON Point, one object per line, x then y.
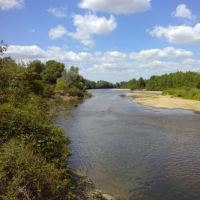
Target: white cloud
{"type": "Point", "coordinates": [159, 64]}
{"type": "Point", "coordinates": [178, 34]}
{"type": "Point", "coordinates": [114, 56]}
{"type": "Point", "coordinates": [158, 54]}
{"type": "Point", "coordinates": [183, 12]}
{"type": "Point", "coordinates": [112, 65]}
{"type": "Point", "coordinates": [191, 61]}
{"type": "Point", "coordinates": [32, 52]}
{"type": "Point", "coordinates": [90, 24]}
{"type": "Point", "coordinates": [32, 31]}
{"type": "Point", "coordinates": [58, 32]}
{"type": "Point", "coordinates": [58, 12]}
{"type": "Point", "coordinates": [116, 6]}
{"type": "Point", "coordinates": [9, 4]}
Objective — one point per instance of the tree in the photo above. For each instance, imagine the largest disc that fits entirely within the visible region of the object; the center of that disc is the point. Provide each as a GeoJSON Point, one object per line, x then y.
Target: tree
{"type": "Point", "coordinates": [36, 66]}
{"type": "Point", "coordinates": [141, 83]}
{"type": "Point", "coordinates": [3, 48]}
{"type": "Point", "coordinates": [52, 71]}
{"type": "Point", "coordinates": [69, 75]}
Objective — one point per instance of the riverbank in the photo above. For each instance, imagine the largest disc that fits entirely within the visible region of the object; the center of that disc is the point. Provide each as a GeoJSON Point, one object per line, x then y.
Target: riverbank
{"type": "Point", "coordinates": [83, 187]}
{"type": "Point", "coordinates": [141, 94]}
{"type": "Point", "coordinates": [119, 89]}
{"type": "Point", "coordinates": [61, 98]}
{"type": "Point", "coordinates": [168, 102]}
{"type": "Point", "coordinates": [156, 100]}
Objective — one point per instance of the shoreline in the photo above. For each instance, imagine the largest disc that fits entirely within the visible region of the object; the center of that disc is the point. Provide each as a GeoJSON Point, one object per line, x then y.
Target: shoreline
{"type": "Point", "coordinates": [119, 89]}
{"type": "Point", "coordinates": [154, 100]}
{"type": "Point", "coordinates": [84, 188]}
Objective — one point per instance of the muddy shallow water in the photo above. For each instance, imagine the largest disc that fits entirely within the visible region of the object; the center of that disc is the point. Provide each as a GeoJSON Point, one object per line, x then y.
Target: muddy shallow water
{"type": "Point", "coordinates": [132, 151]}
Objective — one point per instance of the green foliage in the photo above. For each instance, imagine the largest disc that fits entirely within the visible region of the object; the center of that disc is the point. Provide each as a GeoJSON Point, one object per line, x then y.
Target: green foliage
{"type": "Point", "coordinates": [134, 84]}
{"type": "Point", "coordinates": [3, 47]}
{"type": "Point", "coordinates": [74, 91]}
{"type": "Point", "coordinates": [34, 126]}
{"type": "Point", "coordinates": [33, 150]}
{"type": "Point", "coordinates": [62, 87]}
{"type": "Point", "coordinates": [26, 175]}
{"type": "Point", "coordinates": [198, 84]}
{"type": "Point", "coordinates": [52, 71]}
{"type": "Point", "coordinates": [90, 84]}
{"type": "Point", "coordinates": [184, 93]}
{"type": "Point", "coordinates": [36, 66]}
{"type": "Point", "coordinates": [174, 80]}
{"type": "Point", "coordinates": [104, 84]}
{"type": "Point", "coordinates": [166, 81]}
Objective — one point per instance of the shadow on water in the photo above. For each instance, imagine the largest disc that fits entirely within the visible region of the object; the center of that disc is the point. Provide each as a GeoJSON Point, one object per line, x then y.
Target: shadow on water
{"type": "Point", "coordinates": [133, 151]}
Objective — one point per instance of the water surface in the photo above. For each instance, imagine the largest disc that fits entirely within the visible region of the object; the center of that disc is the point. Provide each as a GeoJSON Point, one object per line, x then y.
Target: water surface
{"type": "Point", "coordinates": [133, 151]}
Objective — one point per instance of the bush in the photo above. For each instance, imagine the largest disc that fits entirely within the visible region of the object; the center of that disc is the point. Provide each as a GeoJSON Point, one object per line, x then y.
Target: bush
{"type": "Point", "coordinates": [26, 175]}
{"type": "Point", "coordinates": [184, 93]}
{"type": "Point", "coordinates": [62, 87]}
{"type": "Point", "coordinates": [31, 123]}
{"type": "Point", "coordinates": [73, 91]}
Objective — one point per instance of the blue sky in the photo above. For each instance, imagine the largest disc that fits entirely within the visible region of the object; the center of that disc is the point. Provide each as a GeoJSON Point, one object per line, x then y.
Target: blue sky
{"type": "Point", "coordinates": [112, 40]}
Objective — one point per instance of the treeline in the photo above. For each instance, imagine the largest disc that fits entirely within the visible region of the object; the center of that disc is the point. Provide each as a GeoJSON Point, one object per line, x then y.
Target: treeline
{"type": "Point", "coordinates": [174, 80]}
{"type": "Point", "coordinates": [134, 84]}
{"type": "Point", "coordinates": [166, 81]}
{"type": "Point", "coordinates": [99, 84]}
{"type": "Point", "coordinates": [185, 85]}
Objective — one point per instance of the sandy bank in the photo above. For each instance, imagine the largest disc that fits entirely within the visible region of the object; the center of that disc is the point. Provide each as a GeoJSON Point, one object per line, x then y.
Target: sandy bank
{"type": "Point", "coordinates": [137, 95]}
{"type": "Point", "coordinates": [119, 89]}
{"type": "Point", "coordinates": [168, 102]}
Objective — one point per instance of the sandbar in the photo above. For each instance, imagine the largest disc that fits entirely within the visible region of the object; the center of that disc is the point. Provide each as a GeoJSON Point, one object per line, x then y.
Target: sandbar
{"type": "Point", "coordinates": [168, 102]}
{"type": "Point", "coordinates": [119, 89]}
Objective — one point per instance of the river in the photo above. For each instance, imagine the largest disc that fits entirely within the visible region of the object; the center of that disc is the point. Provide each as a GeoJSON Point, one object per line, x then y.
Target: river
{"type": "Point", "coordinates": [133, 151]}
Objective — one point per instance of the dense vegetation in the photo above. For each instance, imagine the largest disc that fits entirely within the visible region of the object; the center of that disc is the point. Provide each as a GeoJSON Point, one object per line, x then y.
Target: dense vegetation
{"type": "Point", "coordinates": [33, 151]}
{"type": "Point", "coordinates": [179, 84]}
{"type": "Point", "coordinates": [174, 80]}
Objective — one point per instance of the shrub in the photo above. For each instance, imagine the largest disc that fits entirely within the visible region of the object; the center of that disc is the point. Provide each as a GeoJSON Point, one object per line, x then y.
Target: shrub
{"type": "Point", "coordinates": [26, 175]}
{"type": "Point", "coordinates": [31, 123]}
{"type": "Point", "coordinates": [62, 87]}
{"type": "Point", "coordinates": [73, 91]}
{"type": "Point", "coordinates": [184, 93]}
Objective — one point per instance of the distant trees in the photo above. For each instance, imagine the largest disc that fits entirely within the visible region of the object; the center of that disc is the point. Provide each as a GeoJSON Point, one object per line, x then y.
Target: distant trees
{"type": "Point", "coordinates": [134, 84]}
{"type": "Point", "coordinates": [174, 80]}
{"type": "Point", "coordinates": [90, 84]}
{"type": "Point", "coordinates": [104, 84]}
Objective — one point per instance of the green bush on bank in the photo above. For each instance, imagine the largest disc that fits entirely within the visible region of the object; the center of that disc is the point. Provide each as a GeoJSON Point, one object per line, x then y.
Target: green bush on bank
{"type": "Point", "coordinates": [27, 175]}
{"type": "Point", "coordinates": [184, 93]}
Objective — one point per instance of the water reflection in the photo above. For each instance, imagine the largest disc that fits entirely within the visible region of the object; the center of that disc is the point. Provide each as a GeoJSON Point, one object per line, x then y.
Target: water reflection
{"type": "Point", "coordinates": [133, 151]}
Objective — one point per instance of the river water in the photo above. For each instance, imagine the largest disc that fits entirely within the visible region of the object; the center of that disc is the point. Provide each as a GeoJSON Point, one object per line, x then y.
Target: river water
{"type": "Point", "coordinates": [133, 151]}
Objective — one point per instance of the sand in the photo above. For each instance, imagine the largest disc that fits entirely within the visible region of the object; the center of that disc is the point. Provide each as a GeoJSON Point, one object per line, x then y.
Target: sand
{"type": "Point", "coordinates": [119, 89]}
{"type": "Point", "coordinates": [168, 102]}
{"type": "Point", "coordinates": [136, 95]}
